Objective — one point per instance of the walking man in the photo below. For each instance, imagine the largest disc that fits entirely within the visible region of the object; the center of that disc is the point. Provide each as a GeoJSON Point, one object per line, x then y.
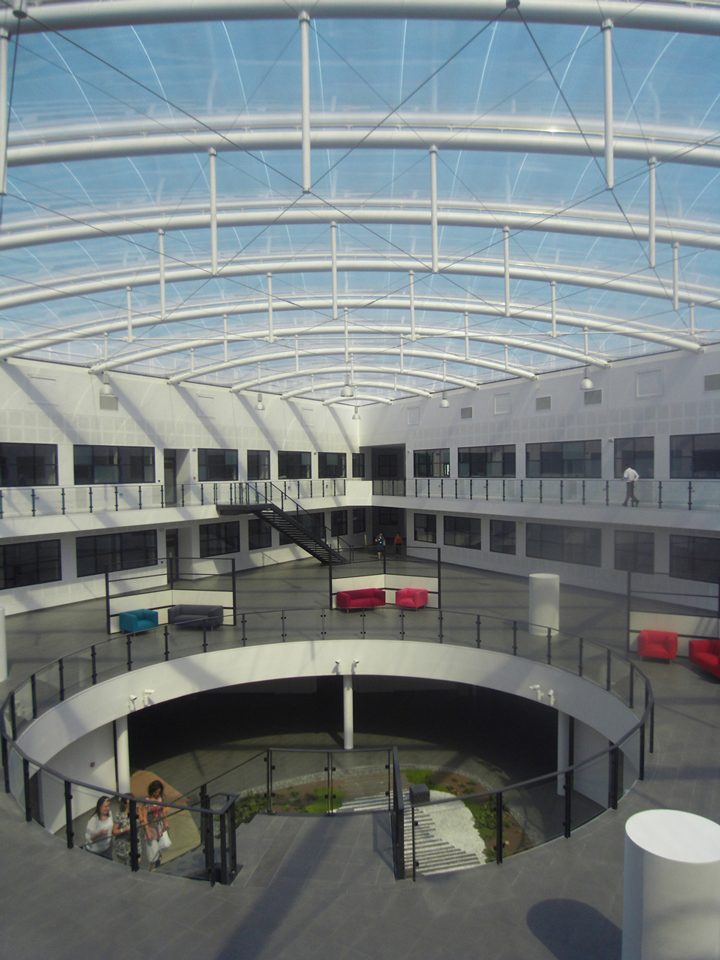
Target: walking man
{"type": "Point", "coordinates": [631, 476]}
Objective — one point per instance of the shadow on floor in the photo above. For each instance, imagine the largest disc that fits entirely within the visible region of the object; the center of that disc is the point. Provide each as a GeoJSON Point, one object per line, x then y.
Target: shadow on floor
{"type": "Point", "coordinates": [572, 930]}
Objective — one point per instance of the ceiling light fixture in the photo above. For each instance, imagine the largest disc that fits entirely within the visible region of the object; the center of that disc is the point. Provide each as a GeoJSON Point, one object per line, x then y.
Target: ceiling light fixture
{"type": "Point", "coordinates": [586, 383]}
{"type": "Point", "coordinates": [444, 402]}
{"type": "Point", "coordinates": [106, 390]}
{"type": "Point", "coordinates": [356, 415]}
{"type": "Point", "coordinates": [347, 389]}
{"type": "Point", "coordinates": [259, 405]}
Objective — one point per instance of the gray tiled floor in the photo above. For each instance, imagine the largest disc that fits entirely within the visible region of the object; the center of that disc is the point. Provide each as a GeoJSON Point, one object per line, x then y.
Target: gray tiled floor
{"type": "Point", "coordinates": [316, 886]}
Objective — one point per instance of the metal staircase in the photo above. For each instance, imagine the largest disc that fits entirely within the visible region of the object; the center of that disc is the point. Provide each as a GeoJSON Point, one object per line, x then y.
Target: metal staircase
{"type": "Point", "coordinates": [287, 523]}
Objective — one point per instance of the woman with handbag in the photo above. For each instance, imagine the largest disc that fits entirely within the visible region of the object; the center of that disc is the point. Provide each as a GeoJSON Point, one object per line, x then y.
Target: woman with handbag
{"type": "Point", "coordinates": [153, 817]}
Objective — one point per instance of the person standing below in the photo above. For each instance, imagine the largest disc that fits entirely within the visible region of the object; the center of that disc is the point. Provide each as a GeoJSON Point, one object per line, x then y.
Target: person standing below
{"type": "Point", "coordinates": [398, 544]}
{"type": "Point", "coordinates": [380, 545]}
{"type": "Point", "coordinates": [153, 817]}
{"type": "Point", "coordinates": [99, 830]}
{"type": "Point", "coordinates": [631, 476]}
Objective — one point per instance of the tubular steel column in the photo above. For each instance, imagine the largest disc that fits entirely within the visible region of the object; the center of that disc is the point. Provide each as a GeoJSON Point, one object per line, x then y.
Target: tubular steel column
{"type": "Point", "coordinates": [411, 275]}
{"type": "Point", "coordinates": [304, 19]}
{"type": "Point", "coordinates": [506, 270]}
{"type": "Point", "coordinates": [348, 717]}
{"type": "Point", "coordinates": [161, 261]}
{"type": "Point", "coordinates": [271, 335]}
{"type": "Point", "coordinates": [652, 164]}
{"type": "Point", "coordinates": [212, 153]}
{"type": "Point", "coordinates": [333, 254]}
{"type": "Point", "coordinates": [675, 269]}
{"type": "Point", "coordinates": [553, 308]}
{"type": "Point", "coordinates": [128, 297]}
{"type": "Point", "coordinates": [607, 64]}
{"type": "Point", "coordinates": [433, 207]}
{"type": "Point", "coordinates": [4, 40]}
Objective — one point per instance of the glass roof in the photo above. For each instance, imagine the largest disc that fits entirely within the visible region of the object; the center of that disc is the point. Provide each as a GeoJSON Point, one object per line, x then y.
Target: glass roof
{"type": "Point", "coordinates": [159, 218]}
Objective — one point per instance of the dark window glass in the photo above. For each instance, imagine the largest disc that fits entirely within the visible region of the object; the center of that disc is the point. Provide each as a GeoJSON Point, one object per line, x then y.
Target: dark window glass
{"type": "Point", "coordinates": [258, 464]}
{"type": "Point", "coordinates": [432, 463]}
{"type": "Point", "coordinates": [22, 564]}
{"type": "Point", "coordinates": [294, 465]}
{"type": "Point", "coordinates": [695, 558]}
{"type": "Point", "coordinates": [635, 551]}
{"type": "Point", "coordinates": [571, 458]}
{"type": "Point", "coordinates": [101, 464]}
{"type": "Point", "coordinates": [387, 466]}
{"type": "Point", "coordinates": [579, 545]}
{"type": "Point", "coordinates": [493, 461]}
{"type": "Point", "coordinates": [358, 516]}
{"type": "Point", "coordinates": [115, 551]}
{"type": "Point", "coordinates": [635, 452]}
{"type": "Point", "coordinates": [695, 457]}
{"type": "Point", "coordinates": [388, 517]}
{"type": "Point", "coordinates": [217, 465]}
{"type": "Point", "coordinates": [332, 465]}
{"type": "Point", "coordinates": [358, 466]}
{"type": "Point", "coordinates": [462, 532]}
{"type": "Point", "coordinates": [259, 534]}
{"type": "Point", "coordinates": [28, 465]}
{"type": "Point", "coordinates": [425, 527]}
{"type": "Point", "coordinates": [338, 523]}
{"type": "Point", "coordinates": [502, 536]}
{"type": "Point", "coordinates": [219, 538]}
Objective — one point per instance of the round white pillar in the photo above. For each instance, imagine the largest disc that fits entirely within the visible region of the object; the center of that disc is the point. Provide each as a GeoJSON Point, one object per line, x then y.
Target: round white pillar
{"type": "Point", "coordinates": [544, 603]}
{"type": "Point", "coordinates": [3, 646]}
{"type": "Point", "coordinates": [348, 732]}
{"type": "Point", "coordinates": [671, 907]}
{"type": "Point", "coordinates": [122, 754]}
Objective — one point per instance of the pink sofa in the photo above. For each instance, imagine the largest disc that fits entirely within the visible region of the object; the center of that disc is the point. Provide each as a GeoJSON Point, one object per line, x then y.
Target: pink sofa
{"type": "Point", "coordinates": [368, 597]}
{"type": "Point", "coordinates": [660, 644]}
{"type": "Point", "coordinates": [705, 654]}
{"type": "Point", "coordinates": [412, 597]}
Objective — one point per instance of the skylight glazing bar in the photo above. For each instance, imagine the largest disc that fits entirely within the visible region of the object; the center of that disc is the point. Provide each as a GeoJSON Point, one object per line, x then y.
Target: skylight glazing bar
{"type": "Point", "coordinates": [553, 308]}
{"type": "Point", "coordinates": [675, 277]}
{"type": "Point", "coordinates": [411, 275]}
{"type": "Point", "coordinates": [607, 69]}
{"type": "Point", "coordinates": [212, 153]}
{"type": "Point", "coordinates": [304, 19]}
{"type": "Point", "coordinates": [128, 296]}
{"type": "Point", "coordinates": [271, 335]}
{"type": "Point", "coordinates": [333, 254]}
{"type": "Point", "coordinates": [506, 268]}
{"type": "Point", "coordinates": [3, 109]}
{"type": "Point", "coordinates": [433, 207]}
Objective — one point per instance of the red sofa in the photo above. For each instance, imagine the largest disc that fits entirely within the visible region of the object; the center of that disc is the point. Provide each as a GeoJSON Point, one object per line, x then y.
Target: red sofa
{"type": "Point", "coordinates": [412, 597]}
{"type": "Point", "coordinates": [660, 644]}
{"type": "Point", "coordinates": [368, 597]}
{"type": "Point", "coordinates": [705, 654]}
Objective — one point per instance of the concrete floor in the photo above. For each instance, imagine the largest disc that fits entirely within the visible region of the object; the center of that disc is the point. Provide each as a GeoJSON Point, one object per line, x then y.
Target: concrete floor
{"type": "Point", "coordinates": [324, 888]}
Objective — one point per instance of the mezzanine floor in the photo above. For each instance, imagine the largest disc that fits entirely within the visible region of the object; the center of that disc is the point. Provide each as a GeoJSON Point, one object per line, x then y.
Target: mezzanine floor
{"type": "Point", "coordinates": [562, 900]}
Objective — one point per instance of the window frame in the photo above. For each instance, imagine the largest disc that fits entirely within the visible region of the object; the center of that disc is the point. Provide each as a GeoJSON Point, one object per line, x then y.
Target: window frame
{"type": "Point", "coordinates": [489, 461]}
{"type": "Point", "coordinates": [435, 460]}
{"type": "Point", "coordinates": [210, 470]}
{"type": "Point", "coordinates": [462, 531]}
{"type": "Point", "coordinates": [559, 543]}
{"type": "Point", "coordinates": [425, 532]}
{"type": "Point", "coordinates": [40, 460]}
{"type": "Point", "coordinates": [300, 469]}
{"type": "Point", "coordinates": [118, 546]}
{"type": "Point", "coordinates": [332, 471]}
{"type": "Point", "coordinates": [219, 539]}
{"type": "Point", "coordinates": [558, 460]}
{"type": "Point", "coordinates": [26, 561]}
{"type": "Point", "coordinates": [258, 464]}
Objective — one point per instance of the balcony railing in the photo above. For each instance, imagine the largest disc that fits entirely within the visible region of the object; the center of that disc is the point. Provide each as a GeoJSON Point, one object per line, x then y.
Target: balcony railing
{"type": "Point", "coordinates": [659, 494]}
{"type": "Point", "coordinates": [16, 502]}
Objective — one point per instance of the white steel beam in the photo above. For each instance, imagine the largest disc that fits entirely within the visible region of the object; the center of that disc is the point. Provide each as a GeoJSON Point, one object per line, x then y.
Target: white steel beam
{"type": "Point", "coordinates": [608, 88]}
{"type": "Point", "coordinates": [652, 227]}
{"type": "Point", "coordinates": [506, 268]}
{"type": "Point", "coordinates": [213, 212]}
{"type": "Point", "coordinates": [304, 19]}
{"type": "Point", "coordinates": [433, 208]}
{"type": "Point", "coordinates": [161, 270]}
{"type": "Point", "coordinates": [333, 256]}
{"type": "Point", "coordinates": [3, 109]}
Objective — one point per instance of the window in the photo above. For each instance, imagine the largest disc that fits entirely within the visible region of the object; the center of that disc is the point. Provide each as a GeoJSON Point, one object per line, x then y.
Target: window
{"type": "Point", "coordinates": [388, 466]}
{"type": "Point", "coordinates": [462, 532]}
{"type": "Point", "coordinates": [294, 465]}
{"type": "Point", "coordinates": [358, 466]}
{"type": "Point", "coordinates": [259, 534]}
{"type": "Point", "coordinates": [635, 550]}
{"type": "Point", "coordinates": [115, 551]}
{"type": "Point", "coordinates": [425, 527]}
{"type": "Point", "coordinates": [712, 381]}
{"type": "Point", "coordinates": [388, 518]}
{"type": "Point", "coordinates": [432, 463]}
{"type": "Point", "coordinates": [28, 464]}
{"type": "Point", "coordinates": [502, 536]}
{"type": "Point", "coordinates": [493, 461]}
{"type": "Point", "coordinates": [338, 523]}
{"type": "Point", "coordinates": [219, 538]}
{"type": "Point", "coordinates": [695, 457]}
{"type": "Point", "coordinates": [466, 413]}
{"type": "Point", "coordinates": [214, 465]}
{"type": "Point", "coordinates": [314, 523]}
{"type": "Point", "coordinates": [592, 396]}
{"type": "Point", "coordinates": [547, 541]}
{"type": "Point", "coordinates": [358, 516]}
{"type": "Point", "coordinates": [258, 464]}
{"type": "Point", "coordinates": [332, 465]}
{"type": "Point", "coordinates": [573, 458]}
{"type": "Point", "coordinates": [94, 464]}
{"type": "Point", "coordinates": [636, 452]}
{"type": "Point", "coordinates": [543, 403]}
{"type": "Point", "coordinates": [22, 564]}
{"type": "Point", "coordinates": [695, 558]}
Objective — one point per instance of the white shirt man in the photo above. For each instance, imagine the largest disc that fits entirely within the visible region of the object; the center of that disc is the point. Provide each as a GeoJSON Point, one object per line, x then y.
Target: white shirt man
{"type": "Point", "coordinates": [630, 477]}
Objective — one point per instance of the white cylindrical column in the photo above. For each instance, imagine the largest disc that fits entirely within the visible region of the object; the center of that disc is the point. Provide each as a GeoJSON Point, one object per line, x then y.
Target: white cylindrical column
{"type": "Point", "coordinates": [544, 606]}
{"type": "Point", "coordinates": [3, 646]}
{"type": "Point", "coordinates": [348, 722]}
{"type": "Point", "coordinates": [671, 906]}
{"type": "Point", "coordinates": [122, 755]}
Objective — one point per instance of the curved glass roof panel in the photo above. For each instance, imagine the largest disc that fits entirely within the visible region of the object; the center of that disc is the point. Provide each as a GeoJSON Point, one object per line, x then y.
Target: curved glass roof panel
{"type": "Point", "coordinates": [409, 204]}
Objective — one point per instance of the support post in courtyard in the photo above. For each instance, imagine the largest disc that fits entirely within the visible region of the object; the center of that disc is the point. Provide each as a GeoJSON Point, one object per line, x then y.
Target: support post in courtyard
{"type": "Point", "coordinates": [122, 755]}
{"type": "Point", "coordinates": [348, 719]}
{"type": "Point", "coordinates": [3, 646]}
